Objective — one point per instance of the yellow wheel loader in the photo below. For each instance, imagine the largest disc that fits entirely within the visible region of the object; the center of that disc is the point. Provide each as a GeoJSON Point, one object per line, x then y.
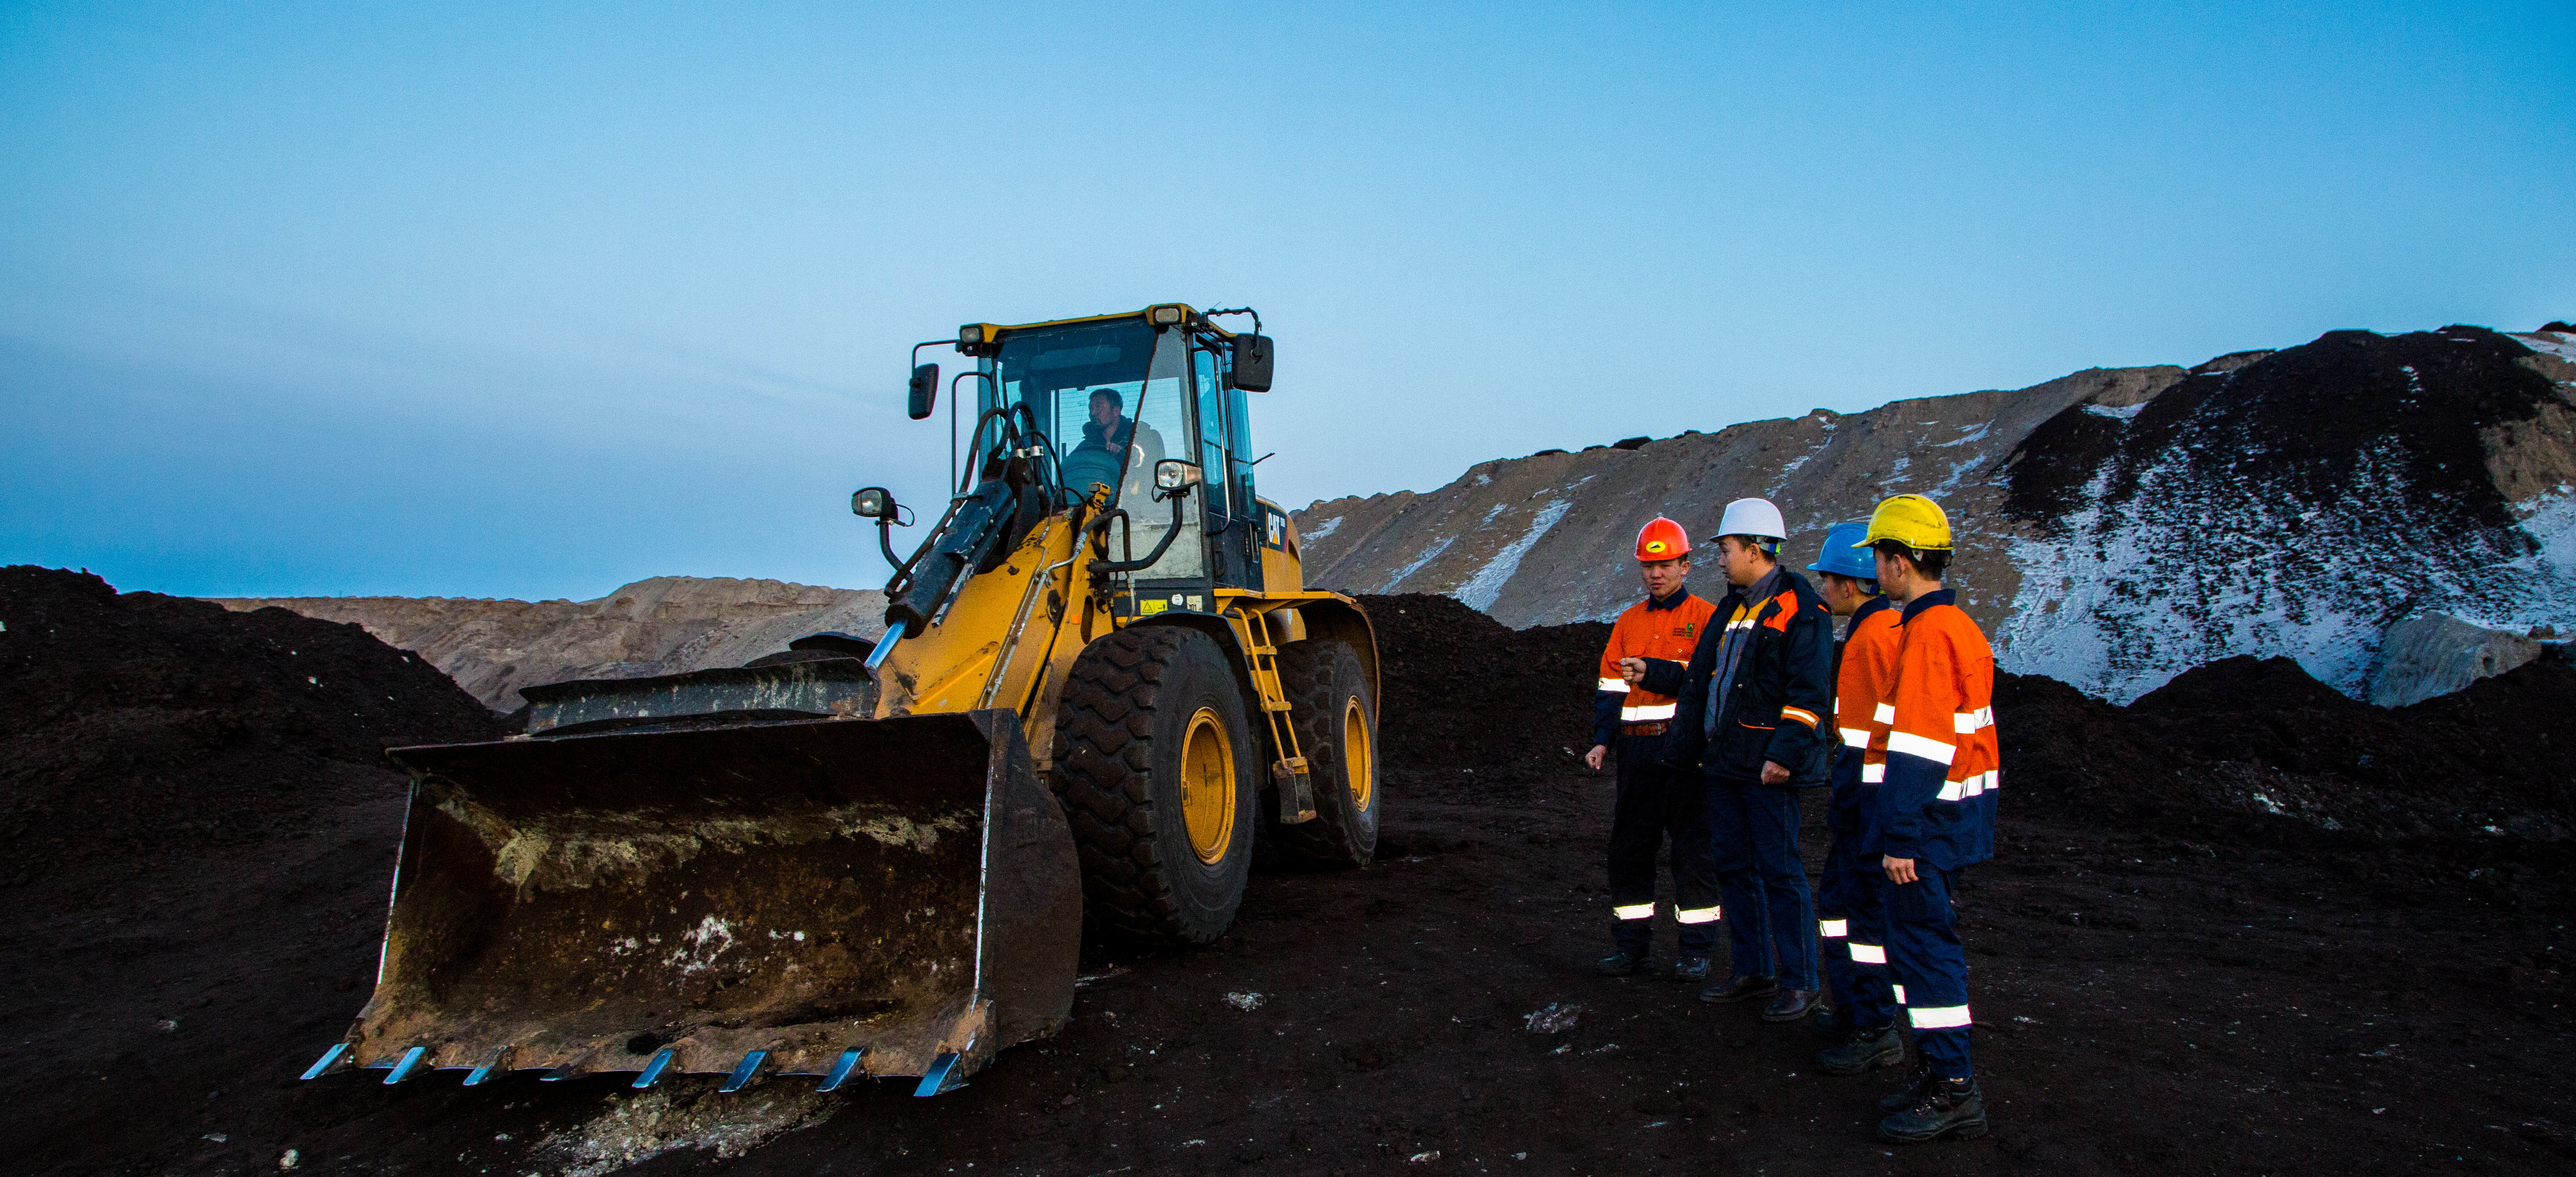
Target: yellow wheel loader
{"type": "Point", "coordinates": [1102, 682]}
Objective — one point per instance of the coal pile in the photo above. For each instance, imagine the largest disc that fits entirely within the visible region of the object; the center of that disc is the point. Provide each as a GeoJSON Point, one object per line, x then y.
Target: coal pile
{"type": "Point", "coordinates": [198, 832]}
{"type": "Point", "coordinates": [2248, 738]}
{"type": "Point", "coordinates": [1481, 703]}
{"type": "Point", "coordinates": [129, 721]}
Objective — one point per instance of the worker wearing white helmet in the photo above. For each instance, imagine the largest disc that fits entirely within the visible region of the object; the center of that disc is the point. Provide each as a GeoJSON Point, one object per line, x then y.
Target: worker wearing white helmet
{"type": "Point", "coordinates": [1752, 700]}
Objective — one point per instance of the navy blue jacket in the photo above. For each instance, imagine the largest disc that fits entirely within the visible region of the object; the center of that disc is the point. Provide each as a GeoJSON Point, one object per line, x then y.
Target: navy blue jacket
{"type": "Point", "coordinates": [1782, 695]}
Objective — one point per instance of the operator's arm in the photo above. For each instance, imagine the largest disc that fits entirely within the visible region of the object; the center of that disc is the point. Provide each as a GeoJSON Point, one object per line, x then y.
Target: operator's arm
{"type": "Point", "coordinates": [1665, 676]}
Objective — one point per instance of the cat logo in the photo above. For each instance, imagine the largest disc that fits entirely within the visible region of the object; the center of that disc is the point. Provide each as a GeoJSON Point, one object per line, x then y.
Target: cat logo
{"type": "Point", "coordinates": [1276, 531]}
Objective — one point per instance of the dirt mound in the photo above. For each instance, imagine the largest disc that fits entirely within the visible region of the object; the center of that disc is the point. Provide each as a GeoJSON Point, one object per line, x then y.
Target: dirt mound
{"type": "Point", "coordinates": [127, 720]}
{"type": "Point", "coordinates": [2243, 740]}
{"type": "Point", "coordinates": [1483, 703]}
{"type": "Point", "coordinates": [197, 833]}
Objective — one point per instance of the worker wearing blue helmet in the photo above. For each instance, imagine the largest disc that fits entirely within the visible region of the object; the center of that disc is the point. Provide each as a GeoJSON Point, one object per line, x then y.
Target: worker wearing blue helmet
{"type": "Point", "coordinates": [1848, 922]}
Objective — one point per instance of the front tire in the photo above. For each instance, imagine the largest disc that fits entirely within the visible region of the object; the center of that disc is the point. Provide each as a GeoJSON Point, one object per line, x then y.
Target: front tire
{"type": "Point", "coordinates": [1156, 768]}
{"type": "Point", "coordinates": [1334, 712]}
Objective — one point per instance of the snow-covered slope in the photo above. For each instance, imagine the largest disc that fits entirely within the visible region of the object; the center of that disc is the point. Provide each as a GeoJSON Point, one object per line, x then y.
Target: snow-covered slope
{"type": "Point", "coordinates": [2118, 525]}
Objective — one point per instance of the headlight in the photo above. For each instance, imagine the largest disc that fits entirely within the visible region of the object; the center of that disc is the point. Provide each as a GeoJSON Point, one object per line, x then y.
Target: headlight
{"type": "Point", "coordinates": [970, 335]}
{"type": "Point", "coordinates": [1164, 316]}
{"type": "Point", "coordinates": [1173, 474]}
{"type": "Point", "coordinates": [873, 502]}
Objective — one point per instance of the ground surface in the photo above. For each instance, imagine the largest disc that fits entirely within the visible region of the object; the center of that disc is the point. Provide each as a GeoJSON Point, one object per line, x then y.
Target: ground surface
{"type": "Point", "coordinates": [2170, 981]}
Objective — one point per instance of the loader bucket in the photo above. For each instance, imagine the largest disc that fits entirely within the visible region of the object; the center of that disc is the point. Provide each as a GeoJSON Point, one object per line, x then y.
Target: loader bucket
{"type": "Point", "coordinates": [765, 898]}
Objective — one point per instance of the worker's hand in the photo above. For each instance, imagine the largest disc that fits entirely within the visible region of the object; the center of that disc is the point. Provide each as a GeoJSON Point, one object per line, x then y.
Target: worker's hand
{"type": "Point", "coordinates": [1592, 759]}
{"type": "Point", "coordinates": [1633, 669]}
{"type": "Point", "coordinates": [1773, 774]}
{"type": "Point", "coordinates": [1900, 871]}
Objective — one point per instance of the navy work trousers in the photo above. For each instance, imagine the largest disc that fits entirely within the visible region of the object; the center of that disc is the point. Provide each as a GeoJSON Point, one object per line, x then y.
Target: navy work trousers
{"type": "Point", "coordinates": [1656, 802]}
{"type": "Point", "coordinates": [1930, 972]}
{"type": "Point", "coordinates": [1852, 933]}
{"type": "Point", "coordinates": [1770, 916]}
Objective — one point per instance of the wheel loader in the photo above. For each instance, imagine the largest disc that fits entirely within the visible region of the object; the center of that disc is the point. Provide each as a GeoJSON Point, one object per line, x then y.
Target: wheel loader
{"type": "Point", "coordinates": [1101, 686]}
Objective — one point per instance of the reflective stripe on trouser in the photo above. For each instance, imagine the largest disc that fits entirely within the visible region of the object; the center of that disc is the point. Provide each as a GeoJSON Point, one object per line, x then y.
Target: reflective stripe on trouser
{"type": "Point", "coordinates": [1853, 935]}
{"type": "Point", "coordinates": [1770, 916]}
{"type": "Point", "coordinates": [1656, 802]}
{"type": "Point", "coordinates": [1930, 970]}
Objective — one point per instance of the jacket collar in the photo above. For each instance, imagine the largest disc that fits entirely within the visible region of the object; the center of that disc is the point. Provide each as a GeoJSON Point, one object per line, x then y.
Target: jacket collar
{"type": "Point", "coordinates": [1872, 605]}
{"type": "Point", "coordinates": [1926, 601]}
{"type": "Point", "coordinates": [1672, 602]}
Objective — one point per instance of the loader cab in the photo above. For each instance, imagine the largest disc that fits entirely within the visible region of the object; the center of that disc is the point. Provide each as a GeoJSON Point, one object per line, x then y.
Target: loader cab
{"type": "Point", "coordinates": [1112, 396]}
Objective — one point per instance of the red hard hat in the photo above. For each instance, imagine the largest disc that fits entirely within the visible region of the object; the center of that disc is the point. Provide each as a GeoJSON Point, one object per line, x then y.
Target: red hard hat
{"type": "Point", "coordinates": [1662, 539]}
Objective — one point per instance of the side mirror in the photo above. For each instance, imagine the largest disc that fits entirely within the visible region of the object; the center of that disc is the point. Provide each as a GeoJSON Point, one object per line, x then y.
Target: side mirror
{"type": "Point", "coordinates": [875, 502]}
{"type": "Point", "coordinates": [925, 390]}
{"type": "Point", "coordinates": [1252, 363]}
{"type": "Point", "coordinates": [1173, 477]}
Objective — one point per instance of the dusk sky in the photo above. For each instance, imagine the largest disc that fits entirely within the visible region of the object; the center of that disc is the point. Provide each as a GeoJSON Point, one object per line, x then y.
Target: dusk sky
{"type": "Point", "coordinates": [460, 300]}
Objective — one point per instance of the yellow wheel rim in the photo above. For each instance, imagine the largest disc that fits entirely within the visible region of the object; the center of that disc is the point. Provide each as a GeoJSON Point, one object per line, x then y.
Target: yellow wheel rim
{"type": "Point", "coordinates": [1207, 786]}
{"type": "Point", "coordinates": [1359, 760]}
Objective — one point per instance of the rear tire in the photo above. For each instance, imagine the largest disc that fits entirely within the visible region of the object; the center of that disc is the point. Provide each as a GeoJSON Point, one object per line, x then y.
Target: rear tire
{"type": "Point", "coordinates": [1156, 768]}
{"type": "Point", "coordinates": [1334, 712]}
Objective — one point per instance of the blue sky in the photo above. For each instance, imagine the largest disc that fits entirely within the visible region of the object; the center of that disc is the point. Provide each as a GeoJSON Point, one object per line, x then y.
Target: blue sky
{"type": "Point", "coordinates": [481, 301]}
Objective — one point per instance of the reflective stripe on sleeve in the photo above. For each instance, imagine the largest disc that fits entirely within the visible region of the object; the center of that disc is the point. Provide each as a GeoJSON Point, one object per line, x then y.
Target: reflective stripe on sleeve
{"type": "Point", "coordinates": [1833, 929]}
{"type": "Point", "coordinates": [1696, 915]}
{"type": "Point", "coordinates": [1961, 790]}
{"type": "Point", "coordinates": [1648, 713]}
{"type": "Point", "coordinates": [1900, 993]}
{"type": "Point", "coordinates": [1871, 954]}
{"type": "Point", "coordinates": [1616, 686]}
{"type": "Point", "coordinates": [1874, 774]}
{"type": "Point", "coordinates": [1939, 1017]}
{"type": "Point", "coordinates": [1634, 911]}
{"type": "Point", "coordinates": [1800, 714]}
{"type": "Point", "coordinates": [1914, 745]}
{"type": "Point", "coordinates": [1854, 737]}
{"type": "Point", "coordinates": [1972, 721]}
{"type": "Point", "coordinates": [1886, 713]}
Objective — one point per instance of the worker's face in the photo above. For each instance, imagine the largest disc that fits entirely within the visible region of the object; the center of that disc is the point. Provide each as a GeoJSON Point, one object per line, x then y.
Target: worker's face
{"type": "Point", "coordinates": [1843, 594]}
{"type": "Point", "coordinates": [1744, 563]}
{"type": "Point", "coordinates": [1663, 576]}
{"type": "Point", "coordinates": [1104, 413]}
{"type": "Point", "coordinates": [1896, 576]}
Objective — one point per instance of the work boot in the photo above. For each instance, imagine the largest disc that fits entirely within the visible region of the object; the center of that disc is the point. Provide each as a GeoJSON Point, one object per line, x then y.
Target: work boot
{"type": "Point", "coordinates": [1739, 989]}
{"type": "Point", "coordinates": [1691, 968]}
{"type": "Point", "coordinates": [1863, 1048]}
{"type": "Point", "coordinates": [1947, 1107]}
{"type": "Point", "coordinates": [1791, 1005]}
{"type": "Point", "coordinates": [1622, 963]}
{"type": "Point", "coordinates": [1915, 1081]}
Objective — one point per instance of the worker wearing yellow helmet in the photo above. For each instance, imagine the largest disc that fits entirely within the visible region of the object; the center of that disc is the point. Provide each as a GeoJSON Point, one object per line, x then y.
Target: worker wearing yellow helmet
{"type": "Point", "coordinates": [1935, 810]}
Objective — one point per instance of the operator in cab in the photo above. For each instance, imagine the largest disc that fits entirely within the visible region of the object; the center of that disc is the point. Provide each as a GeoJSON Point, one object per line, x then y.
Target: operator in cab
{"type": "Point", "coordinates": [1112, 441]}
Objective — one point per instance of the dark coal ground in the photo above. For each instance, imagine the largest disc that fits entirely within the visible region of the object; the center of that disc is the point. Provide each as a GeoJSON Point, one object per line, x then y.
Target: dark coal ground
{"type": "Point", "coordinates": [2169, 975]}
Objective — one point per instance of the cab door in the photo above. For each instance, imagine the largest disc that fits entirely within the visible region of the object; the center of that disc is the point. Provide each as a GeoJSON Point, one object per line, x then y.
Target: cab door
{"type": "Point", "coordinates": [1232, 517]}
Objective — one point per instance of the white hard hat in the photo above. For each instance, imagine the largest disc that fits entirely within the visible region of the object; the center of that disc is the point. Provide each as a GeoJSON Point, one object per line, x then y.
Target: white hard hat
{"type": "Point", "coordinates": [1754, 517]}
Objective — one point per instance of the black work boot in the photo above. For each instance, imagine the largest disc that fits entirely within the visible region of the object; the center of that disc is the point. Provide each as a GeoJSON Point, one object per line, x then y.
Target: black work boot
{"type": "Point", "coordinates": [1622, 963]}
{"type": "Point", "coordinates": [1791, 1005]}
{"type": "Point", "coordinates": [1739, 989]}
{"type": "Point", "coordinates": [1947, 1107]}
{"type": "Point", "coordinates": [1864, 1048]}
{"type": "Point", "coordinates": [1915, 1081]}
{"type": "Point", "coordinates": [1691, 968]}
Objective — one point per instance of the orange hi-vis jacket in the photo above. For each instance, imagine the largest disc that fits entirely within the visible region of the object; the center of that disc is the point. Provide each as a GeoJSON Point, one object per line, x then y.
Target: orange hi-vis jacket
{"type": "Point", "coordinates": [1867, 665]}
{"type": "Point", "coordinates": [1936, 719]}
{"type": "Point", "coordinates": [1665, 630]}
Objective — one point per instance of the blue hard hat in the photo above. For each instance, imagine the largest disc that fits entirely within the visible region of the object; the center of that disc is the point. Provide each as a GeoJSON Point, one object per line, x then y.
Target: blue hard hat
{"type": "Point", "coordinates": [1842, 557]}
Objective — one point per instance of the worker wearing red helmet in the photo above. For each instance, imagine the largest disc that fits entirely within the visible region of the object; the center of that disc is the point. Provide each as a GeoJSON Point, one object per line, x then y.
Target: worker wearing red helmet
{"type": "Point", "coordinates": [1654, 801]}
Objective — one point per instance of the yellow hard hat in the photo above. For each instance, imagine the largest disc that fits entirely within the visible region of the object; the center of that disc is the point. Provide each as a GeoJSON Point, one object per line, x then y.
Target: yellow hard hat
{"type": "Point", "coordinates": [1912, 520]}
